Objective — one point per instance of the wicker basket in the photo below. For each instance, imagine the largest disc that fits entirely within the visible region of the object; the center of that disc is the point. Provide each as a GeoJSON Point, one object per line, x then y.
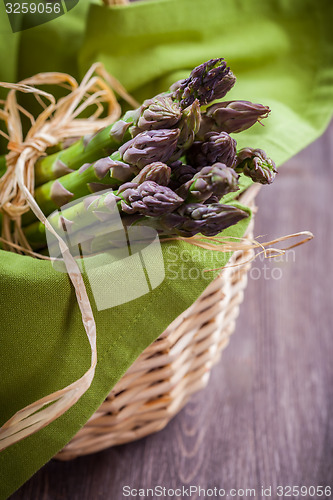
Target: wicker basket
{"type": "Point", "coordinates": [177, 364]}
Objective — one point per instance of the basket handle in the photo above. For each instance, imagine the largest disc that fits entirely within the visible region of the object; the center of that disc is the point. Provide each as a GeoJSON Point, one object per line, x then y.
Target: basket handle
{"type": "Point", "coordinates": [108, 3]}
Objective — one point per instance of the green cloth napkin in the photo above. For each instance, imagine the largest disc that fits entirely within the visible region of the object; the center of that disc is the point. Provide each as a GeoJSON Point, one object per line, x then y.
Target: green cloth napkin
{"type": "Point", "coordinates": [282, 54]}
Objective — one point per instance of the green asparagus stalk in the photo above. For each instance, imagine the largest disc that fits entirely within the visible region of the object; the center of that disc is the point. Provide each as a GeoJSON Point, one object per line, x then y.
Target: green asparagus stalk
{"type": "Point", "coordinates": [54, 194]}
{"type": "Point", "coordinates": [255, 163]}
{"type": "Point", "coordinates": [87, 149]}
{"type": "Point", "coordinates": [121, 166]}
{"type": "Point", "coordinates": [160, 112]}
{"type": "Point", "coordinates": [87, 217]}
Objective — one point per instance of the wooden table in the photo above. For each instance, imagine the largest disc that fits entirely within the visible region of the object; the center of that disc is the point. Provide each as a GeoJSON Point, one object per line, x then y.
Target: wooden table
{"type": "Point", "coordinates": [266, 417]}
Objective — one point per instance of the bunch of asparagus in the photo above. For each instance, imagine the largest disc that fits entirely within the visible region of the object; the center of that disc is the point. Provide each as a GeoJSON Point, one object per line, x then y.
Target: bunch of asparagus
{"type": "Point", "coordinates": [166, 164]}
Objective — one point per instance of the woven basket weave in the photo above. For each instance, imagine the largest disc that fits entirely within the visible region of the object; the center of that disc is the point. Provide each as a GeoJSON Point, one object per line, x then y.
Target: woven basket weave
{"type": "Point", "coordinates": [177, 364]}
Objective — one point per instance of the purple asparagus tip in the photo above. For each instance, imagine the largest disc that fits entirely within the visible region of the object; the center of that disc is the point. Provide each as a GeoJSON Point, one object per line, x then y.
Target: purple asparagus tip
{"type": "Point", "coordinates": [256, 164]}
{"type": "Point", "coordinates": [216, 148]}
{"type": "Point", "coordinates": [207, 82]}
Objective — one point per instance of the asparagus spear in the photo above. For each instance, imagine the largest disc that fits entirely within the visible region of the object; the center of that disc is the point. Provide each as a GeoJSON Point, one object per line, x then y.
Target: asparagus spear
{"type": "Point", "coordinates": [146, 194]}
{"type": "Point", "coordinates": [151, 201]}
{"type": "Point", "coordinates": [216, 148]}
{"type": "Point", "coordinates": [216, 180]}
{"type": "Point", "coordinates": [86, 149]}
{"type": "Point", "coordinates": [255, 163]}
{"type": "Point", "coordinates": [150, 146]}
{"type": "Point", "coordinates": [191, 219]}
{"type": "Point", "coordinates": [188, 220]}
{"type": "Point", "coordinates": [121, 166]}
{"type": "Point", "coordinates": [148, 198]}
{"type": "Point", "coordinates": [160, 112]}
{"type": "Point", "coordinates": [231, 117]}
{"type": "Point", "coordinates": [207, 82]}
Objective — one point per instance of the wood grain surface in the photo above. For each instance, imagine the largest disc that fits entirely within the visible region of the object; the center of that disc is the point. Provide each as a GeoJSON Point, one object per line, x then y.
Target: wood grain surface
{"type": "Point", "coordinates": [265, 418]}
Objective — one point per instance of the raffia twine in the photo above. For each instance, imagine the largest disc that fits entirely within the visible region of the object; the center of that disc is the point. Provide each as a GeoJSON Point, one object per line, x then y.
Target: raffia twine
{"type": "Point", "coordinates": [61, 120]}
